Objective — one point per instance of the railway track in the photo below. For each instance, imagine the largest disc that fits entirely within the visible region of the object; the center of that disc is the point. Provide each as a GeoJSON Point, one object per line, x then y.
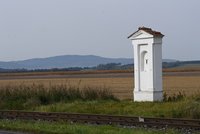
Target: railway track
{"type": "Point", "coordinates": [103, 119]}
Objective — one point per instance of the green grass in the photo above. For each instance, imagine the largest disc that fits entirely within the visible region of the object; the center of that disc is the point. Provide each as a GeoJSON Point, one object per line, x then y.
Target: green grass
{"type": "Point", "coordinates": [42, 127]}
{"type": "Point", "coordinates": [98, 100]}
{"type": "Point", "coordinates": [180, 109]}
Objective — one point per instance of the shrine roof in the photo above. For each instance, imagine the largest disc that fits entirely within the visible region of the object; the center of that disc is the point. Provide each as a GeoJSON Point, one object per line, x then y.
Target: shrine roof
{"type": "Point", "coordinates": [149, 31]}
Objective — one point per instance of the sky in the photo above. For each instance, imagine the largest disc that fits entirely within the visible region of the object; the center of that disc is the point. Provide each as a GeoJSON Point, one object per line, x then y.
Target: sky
{"type": "Point", "coordinates": [44, 28]}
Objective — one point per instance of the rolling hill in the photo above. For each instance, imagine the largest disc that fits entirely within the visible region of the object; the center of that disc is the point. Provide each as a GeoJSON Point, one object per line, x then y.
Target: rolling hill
{"type": "Point", "coordinates": [64, 61]}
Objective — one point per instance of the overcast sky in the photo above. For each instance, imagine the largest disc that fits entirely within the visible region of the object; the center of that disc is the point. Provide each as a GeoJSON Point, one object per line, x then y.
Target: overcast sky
{"type": "Point", "coordinates": [43, 28]}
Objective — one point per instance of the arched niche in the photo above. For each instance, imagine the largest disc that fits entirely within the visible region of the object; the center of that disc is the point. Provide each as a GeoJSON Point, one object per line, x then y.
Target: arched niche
{"type": "Point", "coordinates": [144, 61]}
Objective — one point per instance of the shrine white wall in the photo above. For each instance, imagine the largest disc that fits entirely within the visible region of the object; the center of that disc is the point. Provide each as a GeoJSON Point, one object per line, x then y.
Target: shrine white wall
{"type": "Point", "coordinates": [147, 69]}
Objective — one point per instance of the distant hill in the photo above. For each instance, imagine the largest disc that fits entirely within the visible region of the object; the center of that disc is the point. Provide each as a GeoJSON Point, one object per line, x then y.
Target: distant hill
{"type": "Point", "coordinates": [65, 61]}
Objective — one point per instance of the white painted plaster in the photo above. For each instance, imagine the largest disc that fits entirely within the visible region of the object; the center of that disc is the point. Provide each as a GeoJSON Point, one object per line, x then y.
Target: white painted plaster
{"type": "Point", "coordinates": [147, 66]}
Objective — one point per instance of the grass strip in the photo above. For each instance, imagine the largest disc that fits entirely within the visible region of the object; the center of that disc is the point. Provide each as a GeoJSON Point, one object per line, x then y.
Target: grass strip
{"type": "Point", "coordinates": [41, 127]}
{"type": "Point", "coordinates": [180, 109]}
{"type": "Point", "coordinates": [94, 100]}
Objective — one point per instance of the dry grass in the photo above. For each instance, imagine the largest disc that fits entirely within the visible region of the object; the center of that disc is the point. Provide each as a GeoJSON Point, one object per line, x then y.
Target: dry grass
{"type": "Point", "coordinates": [187, 85]}
{"type": "Point", "coordinates": [120, 87]}
{"type": "Point", "coordinates": [48, 95]}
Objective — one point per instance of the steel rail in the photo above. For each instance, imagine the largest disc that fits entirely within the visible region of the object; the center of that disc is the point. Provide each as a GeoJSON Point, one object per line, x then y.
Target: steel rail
{"type": "Point", "coordinates": [103, 119]}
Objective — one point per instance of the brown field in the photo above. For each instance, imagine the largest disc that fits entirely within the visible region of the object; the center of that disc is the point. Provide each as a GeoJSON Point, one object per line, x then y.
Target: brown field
{"type": "Point", "coordinates": [120, 83]}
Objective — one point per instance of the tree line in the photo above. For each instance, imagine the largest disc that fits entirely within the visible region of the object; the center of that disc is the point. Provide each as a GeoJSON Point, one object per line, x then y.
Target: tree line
{"type": "Point", "coordinates": [108, 66]}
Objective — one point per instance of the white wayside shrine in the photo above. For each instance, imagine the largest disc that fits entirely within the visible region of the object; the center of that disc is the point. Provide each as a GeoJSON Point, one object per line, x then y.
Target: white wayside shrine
{"type": "Point", "coordinates": [147, 64]}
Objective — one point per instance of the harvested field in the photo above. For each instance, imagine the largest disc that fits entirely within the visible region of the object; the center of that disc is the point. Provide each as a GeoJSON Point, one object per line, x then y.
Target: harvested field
{"type": "Point", "coordinates": [103, 74]}
{"type": "Point", "coordinates": [121, 84]}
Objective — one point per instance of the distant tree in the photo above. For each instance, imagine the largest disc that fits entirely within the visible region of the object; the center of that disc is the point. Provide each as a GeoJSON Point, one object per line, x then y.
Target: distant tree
{"type": "Point", "coordinates": [109, 66]}
{"type": "Point", "coordinates": [171, 64]}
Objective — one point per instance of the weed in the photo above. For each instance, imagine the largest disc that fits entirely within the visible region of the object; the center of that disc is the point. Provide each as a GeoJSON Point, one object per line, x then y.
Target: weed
{"type": "Point", "coordinates": [26, 96]}
{"type": "Point", "coordinates": [175, 97]}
